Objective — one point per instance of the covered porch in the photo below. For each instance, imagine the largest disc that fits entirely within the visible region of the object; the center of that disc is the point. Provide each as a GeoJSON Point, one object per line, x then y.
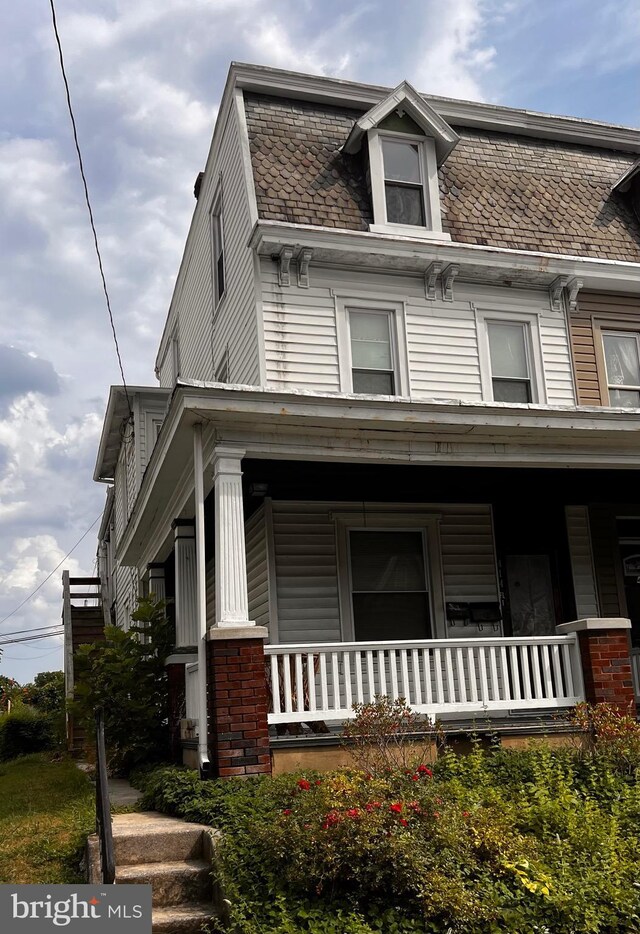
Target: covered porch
{"type": "Point", "coordinates": [314, 564]}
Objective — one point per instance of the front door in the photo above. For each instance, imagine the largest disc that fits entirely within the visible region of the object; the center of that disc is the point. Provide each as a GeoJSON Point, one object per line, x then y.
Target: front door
{"type": "Point", "coordinates": [530, 595]}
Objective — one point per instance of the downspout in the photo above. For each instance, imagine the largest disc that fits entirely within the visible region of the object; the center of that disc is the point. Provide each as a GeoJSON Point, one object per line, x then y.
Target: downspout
{"type": "Point", "coordinates": [201, 600]}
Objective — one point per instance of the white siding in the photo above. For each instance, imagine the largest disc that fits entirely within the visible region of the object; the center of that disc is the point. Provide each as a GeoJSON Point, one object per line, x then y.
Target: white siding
{"type": "Point", "coordinates": [126, 596]}
{"type": "Point", "coordinates": [201, 344]}
{"type": "Point", "coordinates": [584, 582]}
{"type": "Point", "coordinates": [257, 572]}
{"type": "Point", "coordinates": [307, 569]}
{"type": "Point", "coordinates": [468, 554]}
{"type": "Point", "coordinates": [301, 343]}
{"type": "Point", "coordinates": [306, 573]}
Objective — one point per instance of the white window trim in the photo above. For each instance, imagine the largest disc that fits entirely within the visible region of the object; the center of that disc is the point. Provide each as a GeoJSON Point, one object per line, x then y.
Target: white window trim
{"type": "Point", "coordinates": [217, 212]}
{"type": "Point", "coordinates": [396, 312]}
{"type": "Point", "coordinates": [384, 522]}
{"type": "Point", "coordinates": [533, 347]}
{"type": "Point", "coordinates": [429, 166]}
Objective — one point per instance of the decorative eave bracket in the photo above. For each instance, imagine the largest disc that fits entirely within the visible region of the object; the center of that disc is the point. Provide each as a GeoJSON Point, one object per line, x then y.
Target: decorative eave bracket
{"type": "Point", "coordinates": [430, 280]}
{"type": "Point", "coordinates": [449, 273]}
{"type": "Point", "coordinates": [569, 287]}
{"type": "Point", "coordinates": [303, 260]}
{"type": "Point", "coordinates": [284, 264]}
{"type": "Point", "coordinates": [556, 289]}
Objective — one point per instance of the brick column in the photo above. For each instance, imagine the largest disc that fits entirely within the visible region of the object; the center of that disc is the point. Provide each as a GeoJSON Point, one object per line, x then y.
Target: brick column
{"type": "Point", "coordinates": [606, 659]}
{"type": "Point", "coordinates": [238, 730]}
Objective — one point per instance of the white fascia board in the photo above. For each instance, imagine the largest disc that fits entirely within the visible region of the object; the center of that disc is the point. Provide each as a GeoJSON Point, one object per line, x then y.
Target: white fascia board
{"type": "Point", "coordinates": [106, 514]}
{"type": "Point", "coordinates": [335, 91]}
{"type": "Point", "coordinates": [406, 97]}
{"type": "Point", "coordinates": [596, 273]}
{"type": "Point", "coordinates": [111, 421]}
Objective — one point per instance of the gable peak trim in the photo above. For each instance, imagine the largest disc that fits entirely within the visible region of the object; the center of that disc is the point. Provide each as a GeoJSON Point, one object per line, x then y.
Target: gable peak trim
{"type": "Point", "coordinates": [406, 99]}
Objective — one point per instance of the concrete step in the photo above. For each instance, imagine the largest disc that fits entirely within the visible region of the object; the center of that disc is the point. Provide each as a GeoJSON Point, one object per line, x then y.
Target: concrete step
{"type": "Point", "coordinates": [174, 883]}
{"type": "Point", "coordinates": [149, 837]}
{"type": "Point", "coordinates": [184, 919]}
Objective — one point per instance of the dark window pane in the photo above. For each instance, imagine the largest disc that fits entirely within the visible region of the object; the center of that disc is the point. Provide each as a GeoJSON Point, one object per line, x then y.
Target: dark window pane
{"type": "Point", "coordinates": [372, 382]}
{"type": "Point", "coordinates": [220, 277]}
{"type": "Point", "coordinates": [404, 205]}
{"type": "Point", "coordinates": [510, 390]}
{"type": "Point", "coordinates": [387, 561]}
{"type": "Point", "coordinates": [381, 616]}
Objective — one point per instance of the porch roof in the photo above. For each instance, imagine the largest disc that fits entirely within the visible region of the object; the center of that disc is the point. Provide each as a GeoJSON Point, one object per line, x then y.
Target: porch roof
{"type": "Point", "coordinates": [308, 426]}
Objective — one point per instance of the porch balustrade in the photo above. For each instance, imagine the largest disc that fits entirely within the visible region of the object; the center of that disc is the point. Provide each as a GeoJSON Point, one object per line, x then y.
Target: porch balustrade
{"type": "Point", "coordinates": [635, 669]}
{"type": "Point", "coordinates": [436, 677]}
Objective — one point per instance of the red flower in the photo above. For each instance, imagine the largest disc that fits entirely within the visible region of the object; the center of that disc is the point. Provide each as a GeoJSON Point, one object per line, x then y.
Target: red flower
{"type": "Point", "coordinates": [318, 781]}
{"type": "Point", "coordinates": [415, 778]}
{"type": "Point", "coordinates": [436, 814]}
{"type": "Point", "coordinates": [396, 808]}
{"type": "Point", "coordinates": [303, 784]}
{"type": "Point", "coordinates": [405, 823]}
{"type": "Point", "coordinates": [465, 814]}
{"type": "Point", "coordinates": [353, 812]}
{"type": "Point", "coordinates": [424, 770]}
{"type": "Point", "coordinates": [286, 812]}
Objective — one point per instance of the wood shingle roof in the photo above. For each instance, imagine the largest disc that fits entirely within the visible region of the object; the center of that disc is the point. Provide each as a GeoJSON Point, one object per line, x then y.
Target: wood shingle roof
{"type": "Point", "coordinates": [497, 189]}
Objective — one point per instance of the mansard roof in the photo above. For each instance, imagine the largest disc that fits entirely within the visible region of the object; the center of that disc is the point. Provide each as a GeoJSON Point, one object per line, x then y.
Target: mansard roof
{"type": "Point", "coordinates": [498, 188]}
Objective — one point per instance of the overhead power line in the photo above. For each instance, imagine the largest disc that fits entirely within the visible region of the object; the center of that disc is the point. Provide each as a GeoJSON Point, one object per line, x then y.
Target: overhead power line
{"type": "Point", "coordinates": [24, 632]}
{"type": "Point", "coordinates": [47, 635]}
{"type": "Point", "coordinates": [50, 574]}
{"type": "Point", "coordinates": [88, 201]}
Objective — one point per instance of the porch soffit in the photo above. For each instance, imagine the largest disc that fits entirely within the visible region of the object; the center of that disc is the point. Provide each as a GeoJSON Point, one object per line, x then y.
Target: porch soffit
{"type": "Point", "coordinates": [301, 426]}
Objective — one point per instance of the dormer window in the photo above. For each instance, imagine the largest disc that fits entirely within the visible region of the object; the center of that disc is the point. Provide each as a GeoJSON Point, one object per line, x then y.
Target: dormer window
{"type": "Point", "coordinates": [403, 181]}
{"type": "Point", "coordinates": [407, 141]}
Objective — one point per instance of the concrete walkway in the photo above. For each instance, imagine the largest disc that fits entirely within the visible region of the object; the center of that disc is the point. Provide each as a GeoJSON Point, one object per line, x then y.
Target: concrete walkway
{"type": "Point", "coordinates": [121, 793]}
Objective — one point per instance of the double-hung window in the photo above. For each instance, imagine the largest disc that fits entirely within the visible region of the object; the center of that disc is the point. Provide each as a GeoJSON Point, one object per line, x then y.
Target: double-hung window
{"type": "Point", "coordinates": [372, 352]}
{"type": "Point", "coordinates": [404, 184]}
{"type": "Point", "coordinates": [510, 361]}
{"type": "Point", "coordinates": [217, 251]}
{"type": "Point", "coordinates": [622, 362]}
{"type": "Point", "coordinates": [389, 589]}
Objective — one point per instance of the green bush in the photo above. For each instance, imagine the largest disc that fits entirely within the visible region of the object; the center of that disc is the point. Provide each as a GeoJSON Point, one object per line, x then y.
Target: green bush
{"type": "Point", "coordinates": [24, 731]}
{"type": "Point", "coordinates": [538, 840]}
{"type": "Point", "coordinates": [126, 677]}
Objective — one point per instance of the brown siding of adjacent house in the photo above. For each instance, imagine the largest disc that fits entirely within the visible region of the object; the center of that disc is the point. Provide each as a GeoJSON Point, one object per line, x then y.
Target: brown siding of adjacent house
{"type": "Point", "coordinates": [597, 309]}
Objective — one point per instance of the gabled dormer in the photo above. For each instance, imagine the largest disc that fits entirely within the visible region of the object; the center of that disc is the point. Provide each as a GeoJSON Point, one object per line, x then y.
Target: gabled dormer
{"type": "Point", "coordinates": [406, 141]}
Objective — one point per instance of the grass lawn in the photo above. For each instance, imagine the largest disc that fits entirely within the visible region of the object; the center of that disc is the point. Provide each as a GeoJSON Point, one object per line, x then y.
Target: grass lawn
{"type": "Point", "coordinates": [46, 810]}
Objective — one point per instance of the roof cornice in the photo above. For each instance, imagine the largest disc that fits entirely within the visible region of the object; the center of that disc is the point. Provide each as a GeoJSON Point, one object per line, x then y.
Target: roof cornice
{"type": "Point", "coordinates": [417, 253]}
{"type": "Point", "coordinates": [475, 114]}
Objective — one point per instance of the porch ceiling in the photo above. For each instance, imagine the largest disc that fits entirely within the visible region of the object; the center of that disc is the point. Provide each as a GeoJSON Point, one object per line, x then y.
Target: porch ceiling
{"type": "Point", "coordinates": [302, 426]}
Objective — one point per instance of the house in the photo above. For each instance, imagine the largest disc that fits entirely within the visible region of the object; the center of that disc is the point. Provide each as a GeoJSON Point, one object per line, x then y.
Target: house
{"type": "Point", "coordinates": [395, 445]}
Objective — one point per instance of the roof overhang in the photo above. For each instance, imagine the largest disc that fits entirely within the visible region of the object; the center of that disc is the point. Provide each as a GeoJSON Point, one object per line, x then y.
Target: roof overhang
{"type": "Point", "coordinates": [337, 92]}
{"type": "Point", "coordinates": [624, 182]}
{"type": "Point", "coordinates": [405, 99]}
{"type": "Point", "coordinates": [414, 255]}
{"type": "Point", "coordinates": [303, 425]}
{"type": "Point", "coordinates": [115, 417]}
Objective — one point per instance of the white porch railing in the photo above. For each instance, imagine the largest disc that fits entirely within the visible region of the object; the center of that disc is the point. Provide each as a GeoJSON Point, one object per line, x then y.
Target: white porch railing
{"type": "Point", "coordinates": [436, 677]}
{"type": "Point", "coordinates": [635, 671]}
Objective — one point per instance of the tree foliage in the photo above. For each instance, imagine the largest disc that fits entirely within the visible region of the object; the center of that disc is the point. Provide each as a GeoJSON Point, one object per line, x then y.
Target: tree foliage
{"type": "Point", "coordinates": [125, 676]}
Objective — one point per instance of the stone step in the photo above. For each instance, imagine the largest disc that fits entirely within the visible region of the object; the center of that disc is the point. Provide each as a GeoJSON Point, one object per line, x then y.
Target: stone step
{"type": "Point", "coordinates": [184, 919]}
{"type": "Point", "coordinates": [148, 837]}
{"type": "Point", "coordinates": [173, 883]}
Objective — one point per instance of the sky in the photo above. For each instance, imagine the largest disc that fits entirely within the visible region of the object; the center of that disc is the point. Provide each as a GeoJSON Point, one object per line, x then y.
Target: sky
{"type": "Point", "coordinates": [146, 78]}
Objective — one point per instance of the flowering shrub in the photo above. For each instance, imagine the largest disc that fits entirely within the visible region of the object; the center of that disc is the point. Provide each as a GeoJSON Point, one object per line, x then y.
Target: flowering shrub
{"type": "Point", "coordinates": [613, 733]}
{"type": "Point", "coordinates": [526, 842]}
{"type": "Point", "coordinates": [387, 734]}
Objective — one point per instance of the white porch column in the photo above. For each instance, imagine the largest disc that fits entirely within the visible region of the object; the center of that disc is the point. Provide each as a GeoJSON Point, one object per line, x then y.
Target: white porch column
{"type": "Point", "coordinates": [156, 581]}
{"type": "Point", "coordinates": [201, 600]}
{"type": "Point", "coordinates": [232, 599]}
{"type": "Point", "coordinates": [185, 583]}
